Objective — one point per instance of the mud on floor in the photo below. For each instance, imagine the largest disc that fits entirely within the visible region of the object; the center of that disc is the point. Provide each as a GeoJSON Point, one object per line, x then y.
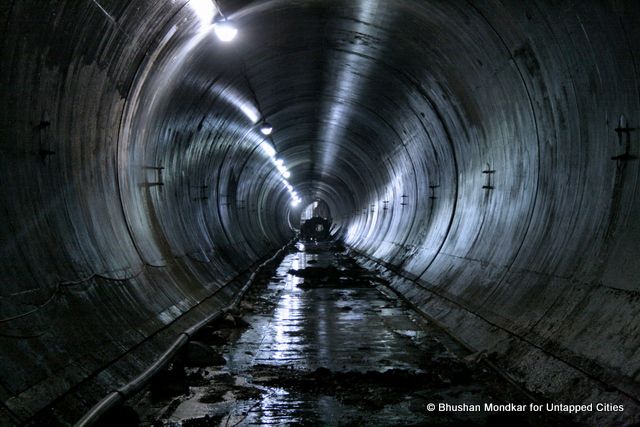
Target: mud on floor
{"type": "Point", "coordinates": [220, 380]}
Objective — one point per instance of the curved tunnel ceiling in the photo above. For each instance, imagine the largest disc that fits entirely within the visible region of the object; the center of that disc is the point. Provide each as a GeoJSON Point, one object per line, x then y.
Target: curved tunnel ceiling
{"type": "Point", "coordinates": [469, 146]}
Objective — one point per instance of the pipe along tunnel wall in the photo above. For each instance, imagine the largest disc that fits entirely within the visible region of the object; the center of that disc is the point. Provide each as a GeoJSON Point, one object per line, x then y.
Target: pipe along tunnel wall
{"type": "Point", "coordinates": [467, 145]}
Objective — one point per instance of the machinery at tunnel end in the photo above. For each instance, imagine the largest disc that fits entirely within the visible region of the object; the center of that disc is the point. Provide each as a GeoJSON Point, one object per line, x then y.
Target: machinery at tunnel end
{"type": "Point", "coordinates": [315, 229]}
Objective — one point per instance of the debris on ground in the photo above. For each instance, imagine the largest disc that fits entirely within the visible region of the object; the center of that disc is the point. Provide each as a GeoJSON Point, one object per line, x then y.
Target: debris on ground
{"type": "Point", "coordinates": [330, 276]}
{"type": "Point", "coordinates": [225, 387]}
{"type": "Point", "coordinates": [366, 389]}
{"type": "Point", "coordinates": [475, 358]}
{"type": "Point", "coordinates": [246, 306]}
{"type": "Point", "coordinates": [307, 344]}
{"type": "Point", "coordinates": [169, 382]}
{"type": "Point", "coordinates": [198, 354]}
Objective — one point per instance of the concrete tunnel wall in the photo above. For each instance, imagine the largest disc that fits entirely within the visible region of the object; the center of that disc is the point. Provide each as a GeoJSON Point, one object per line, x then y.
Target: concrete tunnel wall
{"type": "Point", "coordinates": [390, 112]}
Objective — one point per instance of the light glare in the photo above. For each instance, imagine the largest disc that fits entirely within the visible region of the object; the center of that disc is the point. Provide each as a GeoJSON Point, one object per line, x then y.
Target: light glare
{"type": "Point", "coordinates": [295, 200]}
{"type": "Point", "coordinates": [250, 111]}
{"type": "Point", "coordinates": [203, 9]}
{"type": "Point", "coordinates": [268, 149]}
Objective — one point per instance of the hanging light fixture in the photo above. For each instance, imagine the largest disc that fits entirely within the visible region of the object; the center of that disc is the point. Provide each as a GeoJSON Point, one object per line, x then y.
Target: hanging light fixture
{"type": "Point", "coordinates": [266, 128]}
{"type": "Point", "coordinates": [224, 28]}
{"type": "Point", "coordinates": [268, 149]}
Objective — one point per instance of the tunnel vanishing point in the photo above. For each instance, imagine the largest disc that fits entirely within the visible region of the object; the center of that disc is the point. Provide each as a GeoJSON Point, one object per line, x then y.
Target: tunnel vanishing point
{"type": "Point", "coordinates": [486, 150]}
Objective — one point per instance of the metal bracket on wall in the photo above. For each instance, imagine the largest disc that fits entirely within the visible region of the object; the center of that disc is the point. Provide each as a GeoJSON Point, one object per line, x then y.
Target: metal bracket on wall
{"type": "Point", "coordinates": [43, 154]}
{"type": "Point", "coordinates": [44, 150]}
{"type": "Point", "coordinates": [626, 130]}
{"type": "Point", "coordinates": [159, 177]}
{"type": "Point", "coordinates": [203, 192]}
{"type": "Point", "coordinates": [404, 200]}
{"type": "Point", "coordinates": [432, 188]}
{"type": "Point", "coordinates": [385, 205]}
{"type": "Point", "coordinates": [489, 173]}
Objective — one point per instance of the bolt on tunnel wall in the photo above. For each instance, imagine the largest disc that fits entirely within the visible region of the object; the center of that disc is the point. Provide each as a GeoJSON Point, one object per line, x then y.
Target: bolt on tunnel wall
{"type": "Point", "coordinates": [486, 151]}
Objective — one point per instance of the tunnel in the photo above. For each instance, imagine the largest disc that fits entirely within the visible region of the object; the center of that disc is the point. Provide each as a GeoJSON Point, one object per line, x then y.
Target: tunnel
{"type": "Point", "coordinates": [483, 152]}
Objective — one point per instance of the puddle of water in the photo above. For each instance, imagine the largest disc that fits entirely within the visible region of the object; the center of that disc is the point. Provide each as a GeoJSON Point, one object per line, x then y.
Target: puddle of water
{"type": "Point", "coordinates": [331, 355]}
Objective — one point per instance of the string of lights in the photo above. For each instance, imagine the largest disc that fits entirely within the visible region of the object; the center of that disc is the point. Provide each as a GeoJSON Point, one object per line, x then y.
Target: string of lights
{"type": "Point", "coordinates": [226, 31]}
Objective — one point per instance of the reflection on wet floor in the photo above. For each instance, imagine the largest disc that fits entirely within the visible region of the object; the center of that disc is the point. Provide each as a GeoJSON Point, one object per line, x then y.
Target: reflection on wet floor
{"type": "Point", "coordinates": [323, 343]}
{"type": "Point", "coordinates": [329, 326]}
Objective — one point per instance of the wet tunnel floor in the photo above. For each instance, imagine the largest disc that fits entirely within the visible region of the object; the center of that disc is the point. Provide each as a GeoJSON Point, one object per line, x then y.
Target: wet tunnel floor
{"type": "Point", "coordinates": [322, 342]}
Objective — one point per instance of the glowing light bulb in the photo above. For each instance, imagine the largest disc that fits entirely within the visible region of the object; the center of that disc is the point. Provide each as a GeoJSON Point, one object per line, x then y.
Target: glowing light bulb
{"type": "Point", "coordinates": [286, 174]}
{"type": "Point", "coordinates": [225, 29]}
{"type": "Point", "coordinates": [268, 149]}
{"type": "Point", "coordinates": [266, 128]}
